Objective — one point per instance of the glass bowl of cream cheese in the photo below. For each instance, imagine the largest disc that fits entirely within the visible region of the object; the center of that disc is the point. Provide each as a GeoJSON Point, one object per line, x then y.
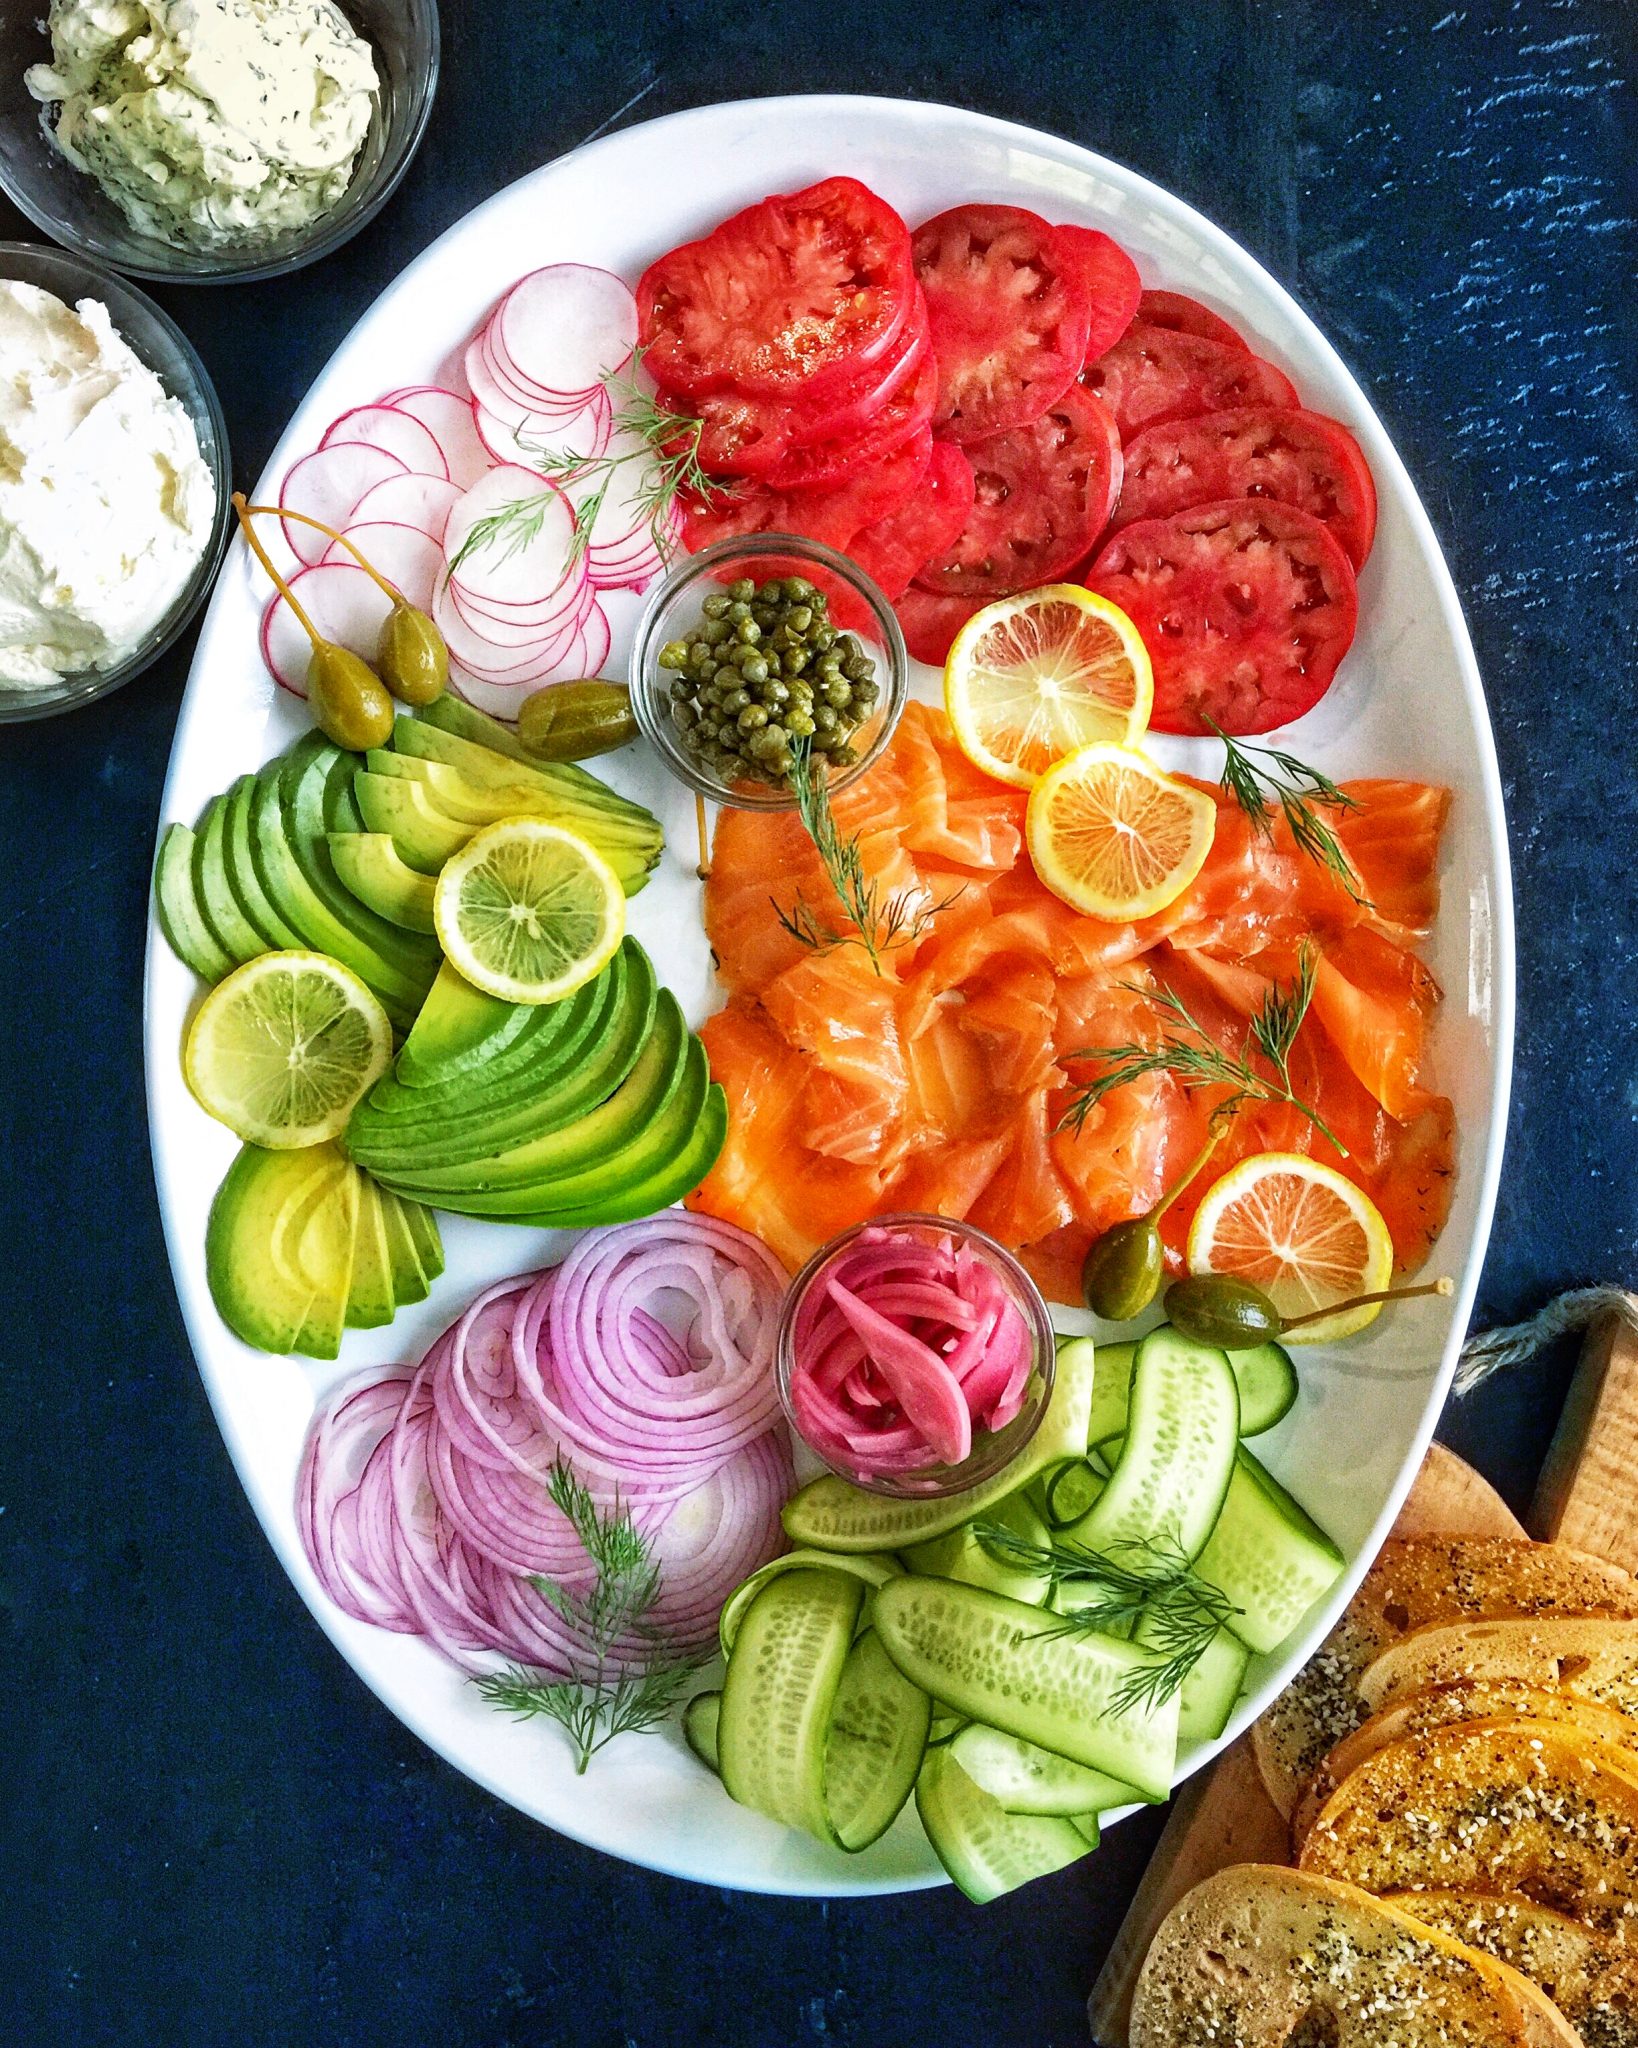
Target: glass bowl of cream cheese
{"type": "Point", "coordinates": [211, 140]}
{"type": "Point", "coordinates": [114, 481]}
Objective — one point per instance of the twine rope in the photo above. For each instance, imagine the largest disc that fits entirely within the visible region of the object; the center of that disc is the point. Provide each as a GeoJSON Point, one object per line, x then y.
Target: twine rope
{"type": "Point", "coordinates": [1493, 1350]}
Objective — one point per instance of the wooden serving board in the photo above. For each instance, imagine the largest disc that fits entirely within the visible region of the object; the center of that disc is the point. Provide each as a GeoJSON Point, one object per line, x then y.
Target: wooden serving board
{"type": "Point", "coordinates": [1585, 1496]}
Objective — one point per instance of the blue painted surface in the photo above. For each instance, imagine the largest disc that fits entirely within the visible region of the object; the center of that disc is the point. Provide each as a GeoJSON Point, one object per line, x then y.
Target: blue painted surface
{"type": "Point", "coordinates": [211, 1833]}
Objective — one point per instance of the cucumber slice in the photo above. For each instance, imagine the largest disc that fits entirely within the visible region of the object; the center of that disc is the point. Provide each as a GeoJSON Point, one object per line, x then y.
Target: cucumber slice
{"type": "Point", "coordinates": [945, 1725]}
{"type": "Point", "coordinates": [1025, 1778]}
{"type": "Point", "coordinates": [699, 1726]}
{"type": "Point", "coordinates": [176, 903]}
{"type": "Point", "coordinates": [1086, 1826]}
{"type": "Point", "coordinates": [870, 1571]}
{"type": "Point", "coordinates": [1111, 1384]}
{"type": "Point", "coordinates": [1268, 1555]}
{"type": "Point", "coordinates": [1268, 1386]}
{"type": "Point", "coordinates": [1174, 1469]}
{"type": "Point", "coordinates": [828, 1514]}
{"type": "Point", "coordinates": [779, 1692]}
{"type": "Point", "coordinates": [878, 1735]}
{"type": "Point", "coordinates": [1212, 1689]}
{"type": "Point", "coordinates": [987, 1850]}
{"type": "Point", "coordinates": [963, 1555]}
{"type": "Point", "coordinates": [1071, 1491]}
{"type": "Point", "coordinates": [996, 1661]}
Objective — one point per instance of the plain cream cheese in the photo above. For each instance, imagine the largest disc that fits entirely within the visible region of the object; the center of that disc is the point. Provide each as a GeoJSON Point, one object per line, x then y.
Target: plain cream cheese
{"type": "Point", "coordinates": [106, 504]}
{"type": "Point", "coordinates": [210, 123]}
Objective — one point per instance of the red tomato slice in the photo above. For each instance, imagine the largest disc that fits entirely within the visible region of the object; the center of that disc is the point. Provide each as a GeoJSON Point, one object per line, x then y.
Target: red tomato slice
{"type": "Point", "coordinates": [929, 520]}
{"type": "Point", "coordinates": [1154, 374]}
{"type": "Point", "coordinates": [796, 295]}
{"type": "Point", "coordinates": [745, 436]}
{"type": "Point", "coordinates": [817, 465]}
{"type": "Point", "coordinates": [1246, 608]}
{"type": "Point", "coordinates": [1010, 308]}
{"type": "Point", "coordinates": [1044, 494]}
{"type": "Point", "coordinates": [1113, 286]}
{"type": "Point", "coordinates": [929, 624]}
{"type": "Point", "coordinates": [1182, 315]}
{"type": "Point", "coordinates": [1300, 458]}
{"type": "Point", "coordinates": [831, 516]}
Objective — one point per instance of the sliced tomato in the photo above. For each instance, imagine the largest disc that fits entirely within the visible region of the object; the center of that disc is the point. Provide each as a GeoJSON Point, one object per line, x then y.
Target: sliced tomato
{"type": "Point", "coordinates": [745, 436]}
{"type": "Point", "coordinates": [1154, 374]}
{"type": "Point", "coordinates": [1300, 458]}
{"type": "Point", "coordinates": [1044, 494]}
{"type": "Point", "coordinates": [929, 624]}
{"type": "Point", "coordinates": [1010, 309]}
{"type": "Point", "coordinates": [927, 522]}
{"type": "Point", "coordinates": [1113, 288]}
{"type": "Point", "coordinates": [832, 516]}
{"type": "Point", "coordinates": [819, 465]}
{"type": "Point", "coordinates": [1246, 607]}
{"type": "Point", "coordinates": [795, 296]}
{"type": "Point", "coordinates": [1180, 314]}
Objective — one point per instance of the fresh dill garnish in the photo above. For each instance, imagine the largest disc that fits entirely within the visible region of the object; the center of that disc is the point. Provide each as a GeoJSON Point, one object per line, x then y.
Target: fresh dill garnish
{"type": "Point", "coordinates": [1200, 1062]}
{"type": "Point", "coordinates": [1175, 1613]}
{"type": "Point", "coordinates": [600, 1698]}
{"type": "Point", "coordinates": [511, 527]}
{"type": "Point", "coordinates": [880, 927]}
{"type": "Point", "coordinates": [1302, 794]}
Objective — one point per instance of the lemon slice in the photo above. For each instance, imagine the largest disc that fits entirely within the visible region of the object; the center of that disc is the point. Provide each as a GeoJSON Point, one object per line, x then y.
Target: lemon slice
{"type": "Point", "coordinates": [1034, 677]}
{"type": "Point", "coordinates": [283, 1050]}
{"type": "Point", "coordinates": [527, 912]}
{"type": "Point", "coordinates": [1300, 1231]}
{"type": "Point", "coordinates": [1113, 836]}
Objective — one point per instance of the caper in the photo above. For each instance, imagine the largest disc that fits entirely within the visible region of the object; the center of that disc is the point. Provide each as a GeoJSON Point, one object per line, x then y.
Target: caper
{"type": "Point", "coordinates": [412, 656]}
{"type": "Point", "coordinates": [741, 590]}
{"type": "Point", "coordinates": [715, 607]}
{"type": "Point", "coordinates": [752, 718]}
{"type": "Point", "coordinates": [837, 694]}
{"type": "Point", "coordinates": [1122, 1272]}
{"type": "Point", "coordinates": [1217, 1308]}
{"type": "Point", "coordinates": [674, 654]}
{"type": "Point", "coordinates": [349, 701]}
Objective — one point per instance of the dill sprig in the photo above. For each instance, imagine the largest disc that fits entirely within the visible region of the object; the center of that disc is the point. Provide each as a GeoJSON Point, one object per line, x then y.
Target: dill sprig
{"type": "Point", "coordinates": [1173, 1611]}
{"type": "Point", "coordinates": [877, 925]}
{"type": "Point", "coordinates": [600, 1699]}
{"type": "Point", "coordinates": [1302, 794]}
{"type": "Point", "coordinates": [1200, 1062]}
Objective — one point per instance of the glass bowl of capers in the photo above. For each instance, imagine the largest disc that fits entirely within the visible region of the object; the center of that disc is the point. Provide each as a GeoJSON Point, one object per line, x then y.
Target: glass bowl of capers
{"type": "Point", "coordinates": [758, 653]}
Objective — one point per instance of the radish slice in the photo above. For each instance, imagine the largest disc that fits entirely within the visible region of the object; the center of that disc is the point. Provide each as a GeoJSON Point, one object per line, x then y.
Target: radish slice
{"type": "Point", "coordinates": [424, 502]}
{"type": "Point", "coordinates": [471, 646]}
{"type": "Point", "coordinates": [345, 606]}
{"type": "Point", "coordinates": [327, 485]}
{"type": "Point", "coordinates": [523, 561]}
{"type": "Point", "coordinates": [447, 416]}
{"type": "Point", "coordinates": [497, 395]}
{"type": "Point", "coordinates": [568, 327]}
{"type": "Point", "coordinates": [510, 627]}
{"type": "Point", "coordinates": [405, 556]}
{"type": "Point", "coordinates": [384, 426]}
{"type": "Point", "coordinates": [536, 396]}
{"type": "Point", "coordinates": [583, 434]}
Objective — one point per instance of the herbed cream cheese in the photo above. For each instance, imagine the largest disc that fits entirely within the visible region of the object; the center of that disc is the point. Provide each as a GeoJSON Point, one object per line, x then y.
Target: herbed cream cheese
{"type": "Point", "coordinates": [211, 124]}
{"type": "Point", "coordinates": [106, 504]}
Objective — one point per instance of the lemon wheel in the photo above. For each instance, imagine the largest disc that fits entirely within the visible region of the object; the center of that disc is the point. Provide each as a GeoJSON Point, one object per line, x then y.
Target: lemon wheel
{"type": "Point", "coordinates": [528, 912]}
{"type": "Point", "coordinates": [1112, 835]}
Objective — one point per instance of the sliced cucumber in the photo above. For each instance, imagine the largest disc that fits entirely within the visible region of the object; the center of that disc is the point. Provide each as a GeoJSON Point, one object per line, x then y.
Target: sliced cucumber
{"type": "Point", "coordinates": [962, 1554]}
{"type": "Point", "coordinates": [1086, 1826]}
{"type": "Point", "coordinates": [945, 1725]}
{"type": "Point", "coordinates": [1025, 1778]}
{"type": "Point", "coordinates": [878, 1734]}
{"type": "Point", "coordinates": [778, 1695]}
{"type": "Point", "coordinates": [1264, 1374]}
{"type": "Point", "coordinates": [1268, 1555]}
{"type": "Point", "coordinates": [1175, 1465]}
{"type": "Point", "coordinates": [1070, 1491]}
{"type": "Point", "coordinates": [1212, 1689]}
{"type": "Point", "coordinates": [987, 1850]}
{"type": "Point", "coordinates": [699, 1726]}
{"type": "Point", "coordinates": [996, 1661]}
{"type": "Point", "coordinates": [181, 918]}
{"type": "Point", "coordinates": [1111, 1384]}
{"type": "Point", "coordinates": [870, 1571]}
{"type": "Point", "coordinates": [828, 1514]}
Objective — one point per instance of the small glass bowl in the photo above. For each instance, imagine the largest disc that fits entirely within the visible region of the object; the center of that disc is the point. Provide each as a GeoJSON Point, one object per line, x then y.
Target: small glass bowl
{"type": "Point", "coordinates": [71, 207]}
{"type": "Point", "coordinates": [993, 1450]}
{"type": "Point", "coordinates": [155, 338]}
{"type": "Point", "coordinates": [674, 610]}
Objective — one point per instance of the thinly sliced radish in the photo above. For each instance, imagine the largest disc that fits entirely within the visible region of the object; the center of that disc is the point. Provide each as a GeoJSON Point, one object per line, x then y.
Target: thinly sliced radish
{"type": "Point", "coordinates": [345, 606]}
{"type": "Point", "coordinates": [495, 394]}
{"type": "Point", "coordinates": [327, 485]}
{"type": "Point", "coordinates": [567, 327]}
{"type": "Point", "coordinates": [526, 559]}
{"type": "Point", "coordinates": [447, 416]}
{"type": "Point", "coordinates": [584, 434]}
{"type": "Point", "coordinates": [424, 502]}
{"type": "Point", "coordinates": [471, 646]}
{"type": "Point", "coordinates": [503, 628]}
{"type": "Point", "coordinates": [501, 700]}
{"type": "Point", "coordinates": [384, 426]}
{"type": "Point", "coordinates": [408, 558]}
{"type": "Point", "coordinates": [536, 396]}
{"type": "Point", "coordinates": [504, 695]}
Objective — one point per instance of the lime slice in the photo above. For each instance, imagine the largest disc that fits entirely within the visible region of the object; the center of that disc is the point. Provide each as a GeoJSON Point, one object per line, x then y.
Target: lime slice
{"type": "Point", "coordinates": [527, 912]}
{"type": "Point", "coordinates": [283, 1050]}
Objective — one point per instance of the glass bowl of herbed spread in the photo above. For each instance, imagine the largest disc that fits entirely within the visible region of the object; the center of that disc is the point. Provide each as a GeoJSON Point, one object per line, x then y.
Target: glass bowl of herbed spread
{"type": "Point", "coordinates": [270, 235]}
{"type": "Point", "coordinates": [756, 645]}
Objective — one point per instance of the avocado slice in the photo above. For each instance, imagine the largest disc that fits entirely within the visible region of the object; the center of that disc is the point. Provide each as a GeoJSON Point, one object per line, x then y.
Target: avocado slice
{"type": "Point", "coordinates": [480, 777]}
{"type": "Point", "coordinates": [278, 1246]}
{"type": "Point", "coordinates": [177, 908]}
{"type": "Point", "coordinates": [429, 1243]}
{"type": "Point", "coordinates": [212, 886]}
{"type": "Point", "coordinates": [425, 838]}
{"type": "Point", "coordinates": [481, 761]}
{"type": "Point", "coordinates": [245, 880]}
{"type": "Point", "coordinates": [680, 1176]}
{"type": "Point", "coordinates": [410, 1279]}
{"type": "Point", "coordinates": [368, 865]}
{"type": "Point", "coordinates": [653, 1149]}
{"type": "Point", "coordinates": [458, 1029]}
{"type": "Point", "coordinates": [341, 812]}
{"type": "Point", "coordinates": [325, 1248]}
{"type": "Point", "coordinates": [371, 1295]}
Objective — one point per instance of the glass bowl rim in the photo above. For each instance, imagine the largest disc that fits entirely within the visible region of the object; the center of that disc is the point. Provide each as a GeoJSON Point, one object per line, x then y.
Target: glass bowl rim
{"type": "Point", "coordinates": [647, 691]}
{"type": "Point", "coordinates": [972, 1472]}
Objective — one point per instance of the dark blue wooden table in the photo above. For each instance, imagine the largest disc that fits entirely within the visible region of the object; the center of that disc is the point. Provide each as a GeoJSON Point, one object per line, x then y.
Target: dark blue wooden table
{"type": "Point", "coordinates": [212, 1834]}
